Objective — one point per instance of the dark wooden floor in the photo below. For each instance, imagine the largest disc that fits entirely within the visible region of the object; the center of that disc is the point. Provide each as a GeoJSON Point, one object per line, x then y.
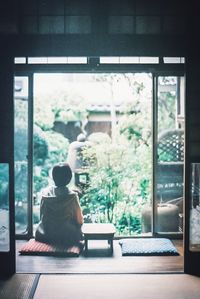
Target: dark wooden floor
{"type": "Point", "coordinates": [99, 261]}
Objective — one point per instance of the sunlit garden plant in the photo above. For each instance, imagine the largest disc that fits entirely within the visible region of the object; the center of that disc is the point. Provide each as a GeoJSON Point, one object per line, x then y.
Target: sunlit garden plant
{"type": "Point", "coordinates": [118, 187]}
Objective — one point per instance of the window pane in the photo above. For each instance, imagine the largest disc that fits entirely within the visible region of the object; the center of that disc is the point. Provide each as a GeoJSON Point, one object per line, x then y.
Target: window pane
{"type": "Point", "coordinates": [77, 60]}
{"type": "Point", "coordinates": [21, 153]}
{"type": "Point", "coordinates": [121, 24]}
{"type": "Point", "coordinates": [37, 60]}
{"type": "Point", "coordinates": [20, 60]}
{"type": "Point", "coordinates": [172, 59]}
{"type": "Point", "coordinates": [57, 60]}
{"type": "Point", "coordinates": [170, 157]}
{"type": "Point", "coordinates": [109, 60]}
{"type": "Point", "coordinates": [149, 60]}
{"type": "Point", "coordinates": [51, 24]}
{"type": "Point", "coordinates": [4, 207]}
{"type": "Point", "coordinates": [78, 24]}
{"type": "Point", "coordinates": [147, 25]}
{"type": "Point", "coordinates": [129, 60]}
{"type": "Point", "coordinates": [195, 208]}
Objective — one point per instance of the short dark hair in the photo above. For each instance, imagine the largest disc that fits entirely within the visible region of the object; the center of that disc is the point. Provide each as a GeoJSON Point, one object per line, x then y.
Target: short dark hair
{"type": "Point", "coordinates": [61, 174]}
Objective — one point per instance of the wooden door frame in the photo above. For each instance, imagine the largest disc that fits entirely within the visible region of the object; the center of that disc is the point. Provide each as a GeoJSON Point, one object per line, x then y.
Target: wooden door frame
{"type": "Point", "coordinates": [53, 68]}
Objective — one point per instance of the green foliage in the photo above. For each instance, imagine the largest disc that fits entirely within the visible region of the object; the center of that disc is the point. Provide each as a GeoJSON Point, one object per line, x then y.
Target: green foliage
{"type": "Point", "coordinates": [40, 178]}
{"type": "Point", "coordinates": [21, 142]}
{"type": "Point", "coordinates": [60, 106]}
{"type": "Point", "coordinates": [165, 156]}
{"type": "Point", "coordinates": [129, 224]}
{"type": "Point", "coordinates": [116, 182]}
{"type": "Point", "coordinates": [120, 169]}
{"type": "Point", "coordinates": [99, 138]}
{"type": "Point", "coordinates": [21, 181]}
{"type": "Point", "coordinates": [57, 146]}
{"type": "Point", "coordinates": [43, 114]}
{"type": "Point", "coordinates": [167, 104]}
{"type": "Point", "coordinates": [40, 146]}
{"type": "Point", "coordinates": [51, 147]}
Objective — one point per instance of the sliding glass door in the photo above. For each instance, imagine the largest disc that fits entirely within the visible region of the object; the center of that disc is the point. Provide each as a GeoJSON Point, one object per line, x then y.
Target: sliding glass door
{"type": "Point", "coordinates": [4, 208]}
{"type": "Point", "coordinates": [22, 155]}
{"type": "Point", "coordinates": [165, 214]}
{"type": "Point", "coordinates": [169, 166]}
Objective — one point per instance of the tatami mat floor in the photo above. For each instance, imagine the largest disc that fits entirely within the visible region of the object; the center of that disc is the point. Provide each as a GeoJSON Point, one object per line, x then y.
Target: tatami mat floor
{"type": "Point", "coordinates": [100, 286]}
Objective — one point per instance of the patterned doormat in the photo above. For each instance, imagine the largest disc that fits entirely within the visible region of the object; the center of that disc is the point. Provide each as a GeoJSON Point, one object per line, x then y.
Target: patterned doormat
{"type": "Point", "coordinates": [33, 247]}
{"type": "Point", "coordinates": [147, 246]}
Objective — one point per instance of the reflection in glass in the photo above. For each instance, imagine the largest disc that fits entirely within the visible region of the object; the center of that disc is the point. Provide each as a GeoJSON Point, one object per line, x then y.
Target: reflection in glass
{"type": "Point", "coordinates": [170, 155]}
{"type": "Point", "coordinates": [169, 159]}
{"type": "Point", "coordinates": [4, 207]}
{"type": "Point", "coordinates": [195, 208]}
{"type": "Point", "coordinates": [21, 153]}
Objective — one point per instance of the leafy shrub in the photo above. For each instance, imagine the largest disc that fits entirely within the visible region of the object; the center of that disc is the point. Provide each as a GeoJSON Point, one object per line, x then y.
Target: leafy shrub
{"type": "Point", "coordinates": [117, 182]}
{"type": "Point", "coordinates": [40, 146]}
{"type": "Point", "coordinates": [57, 147]}
{"type": "Point", "coordinates": [129, 224]}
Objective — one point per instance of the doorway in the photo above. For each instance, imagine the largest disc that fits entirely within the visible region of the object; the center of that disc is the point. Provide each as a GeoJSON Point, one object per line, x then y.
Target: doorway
{"type": "Point", "coordinates": [164, 111]}
{"type": "Point", "coordinates": [112, 109]}
{"type": "Point", "coordinates": [66, 105]}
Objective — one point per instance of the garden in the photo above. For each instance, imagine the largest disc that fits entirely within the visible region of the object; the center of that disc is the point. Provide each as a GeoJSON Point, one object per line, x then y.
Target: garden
{"type": "Point", "coordinates": [114, 111]}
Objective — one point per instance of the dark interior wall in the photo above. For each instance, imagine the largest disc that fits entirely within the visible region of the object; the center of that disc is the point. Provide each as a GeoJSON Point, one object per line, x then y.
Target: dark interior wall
{"type": "Point", "coordinates": [94, 28]}
{"type": "Point", "coordinates": [192, 127]}
{"type": "Point", "coordinates": [7, 260]}
{"type": "Point", "coordinates": [6, 108]}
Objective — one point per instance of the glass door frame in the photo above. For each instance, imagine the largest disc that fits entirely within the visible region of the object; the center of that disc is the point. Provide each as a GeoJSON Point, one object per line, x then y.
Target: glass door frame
{"type": "Point", "coordinates": [156, 71]}
{"type": "Point", "coordinates": [156, 75]}
{"type": "Point", "coordinates": [29, 231]}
